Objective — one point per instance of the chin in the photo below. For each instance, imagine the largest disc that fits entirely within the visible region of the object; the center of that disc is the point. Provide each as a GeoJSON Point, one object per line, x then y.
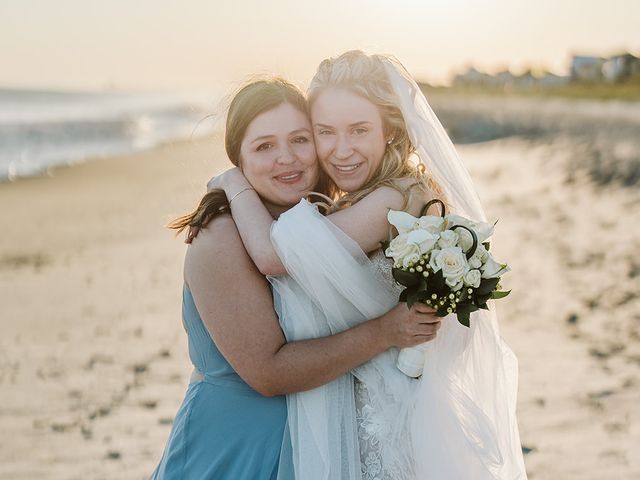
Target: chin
{"type": "Point", "coordinates": [294, 199]}
{"type": "Point", "coordinates": [350, 186]}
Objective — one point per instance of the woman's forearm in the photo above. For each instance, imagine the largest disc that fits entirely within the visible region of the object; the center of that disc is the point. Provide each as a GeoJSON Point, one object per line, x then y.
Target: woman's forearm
{"type": "Point", "coordinates": [307, 364]}
{"type": "Point", "coordinates": [254, 225]}
{"type": "Point", "coordinates": [253, 222]}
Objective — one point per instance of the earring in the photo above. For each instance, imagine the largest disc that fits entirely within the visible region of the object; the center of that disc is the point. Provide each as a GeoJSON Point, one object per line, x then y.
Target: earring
{"type": "Point", "coordinates": [389, 141]}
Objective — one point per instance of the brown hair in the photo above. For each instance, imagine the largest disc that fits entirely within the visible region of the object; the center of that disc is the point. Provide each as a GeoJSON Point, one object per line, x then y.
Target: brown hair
{"type": "Point", "coordinates": [365, 75]}
{"type": "Point", "coordinates": [254, 98]}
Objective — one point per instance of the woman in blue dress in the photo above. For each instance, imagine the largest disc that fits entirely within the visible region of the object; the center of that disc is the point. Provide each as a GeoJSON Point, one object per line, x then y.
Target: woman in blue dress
{"type": "Point", "coordinates": [232, 421]}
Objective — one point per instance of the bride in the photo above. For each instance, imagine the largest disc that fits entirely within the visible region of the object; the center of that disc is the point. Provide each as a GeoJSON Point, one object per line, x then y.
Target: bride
{"type": "Point", "coordinates": [383, 148]}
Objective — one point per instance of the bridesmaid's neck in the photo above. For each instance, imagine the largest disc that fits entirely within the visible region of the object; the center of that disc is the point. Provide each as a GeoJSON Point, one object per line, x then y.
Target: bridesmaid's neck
{"type": "Point", "coordinates": [275, 210]}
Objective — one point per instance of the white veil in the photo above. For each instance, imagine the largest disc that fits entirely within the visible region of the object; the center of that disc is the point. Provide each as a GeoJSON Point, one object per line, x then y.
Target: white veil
{"type": "Point", "coordinates": [458, 421]}
{"type": "Point", "coordinates": [465, 421]}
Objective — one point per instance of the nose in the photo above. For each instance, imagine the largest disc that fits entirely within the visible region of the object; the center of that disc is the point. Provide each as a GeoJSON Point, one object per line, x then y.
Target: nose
{"type": "Point", "coordinates": [287, 156]}
{"type": "Point", "coordinates": [343, 148]}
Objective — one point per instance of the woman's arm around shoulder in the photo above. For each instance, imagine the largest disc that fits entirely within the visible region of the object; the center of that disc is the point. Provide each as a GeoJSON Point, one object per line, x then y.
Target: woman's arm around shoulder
{"type": "Point", "coordinates": [366, 221]}
{"type": "Point", "coordinates": [235, 303]}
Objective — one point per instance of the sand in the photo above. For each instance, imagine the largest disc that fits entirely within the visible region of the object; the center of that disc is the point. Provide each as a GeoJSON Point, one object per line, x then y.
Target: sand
{"type": "Point", "coordinates": [93, 358]}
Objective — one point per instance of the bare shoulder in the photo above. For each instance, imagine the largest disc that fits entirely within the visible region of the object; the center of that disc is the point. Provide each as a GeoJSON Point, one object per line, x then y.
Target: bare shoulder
{"type": "Point", "coordinates": [217, 248]}
{"type": "Point", "coordinates": [221, 232]}
{"type": "Point", "coordinates": [394, 198]}
{"type": "Point", "coordinates": [386, 196]}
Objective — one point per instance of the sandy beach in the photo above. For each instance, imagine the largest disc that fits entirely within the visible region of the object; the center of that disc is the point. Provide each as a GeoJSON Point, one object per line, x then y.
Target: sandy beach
{"type": "Point", "coordinates": [93, 357]}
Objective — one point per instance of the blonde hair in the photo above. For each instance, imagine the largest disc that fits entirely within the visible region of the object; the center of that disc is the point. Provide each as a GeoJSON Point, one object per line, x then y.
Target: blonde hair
{"type": "Point", "coordinates": [365, 75]}
{"type": "Point", "coordinates": [257, 96]}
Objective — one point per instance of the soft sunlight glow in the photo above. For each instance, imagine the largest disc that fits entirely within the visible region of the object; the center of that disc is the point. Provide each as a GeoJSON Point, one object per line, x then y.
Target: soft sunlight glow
{"type": "Point", "coordinates": [169, 44]}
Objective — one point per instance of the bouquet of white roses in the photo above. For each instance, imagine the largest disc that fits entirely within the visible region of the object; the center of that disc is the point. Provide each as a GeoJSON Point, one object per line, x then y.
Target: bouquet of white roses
{"type": "Point", "coordinates": [443, 261]}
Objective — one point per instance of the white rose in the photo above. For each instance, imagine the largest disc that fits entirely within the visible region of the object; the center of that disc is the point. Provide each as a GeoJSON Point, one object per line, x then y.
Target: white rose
{"type": "Point", "coordinates": [465, 240]}
{"type": "Point", "coordinates": [453, 283]}
{"type": "Point", "coordinates": [453, 264]}
{"type": "Point", "coordinates": [472, 278]}
{"type": "Point", "coordinates": [492, 269]}
{"type": "Point", "coordinates": [448, 238]}
{"type": "Point", "coordinates": [432, 260]}
{"type": "Point", "coordinates": [430, 223]}
{"type": "Point", "coordinates": [411, 258]}
{"type": "Point", "coordinates": [482, 253]}
{"type": "Point", "coordinates": [424, 240]}
{"type": "Point", "coordinates": [478, 256]}
{"type": "Point", "coordinates": [475, 262]}
{"type": "Point", "coordinates": [399, 249]}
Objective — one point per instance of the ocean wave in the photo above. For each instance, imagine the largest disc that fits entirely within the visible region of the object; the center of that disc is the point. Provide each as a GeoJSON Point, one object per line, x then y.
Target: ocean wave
{"type": "Point", "coordinates": [42, 129]}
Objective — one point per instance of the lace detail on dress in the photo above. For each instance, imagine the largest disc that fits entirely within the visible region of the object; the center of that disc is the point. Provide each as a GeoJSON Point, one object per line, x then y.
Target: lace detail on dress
{"type": "Point", "coordinates": [370, 427]}
{"type": "Point", "coordinates": [368, 436]}
{"type": "Point", "coordinates": [384, 266]}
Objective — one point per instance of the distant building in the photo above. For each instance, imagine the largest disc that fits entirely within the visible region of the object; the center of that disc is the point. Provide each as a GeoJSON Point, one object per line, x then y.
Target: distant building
{"type": "Point", "coordinates": [507, 80]}
{"type": "Point", "coordinates": [503, 78]}
{"type": "Point", "coordinates": [620, 67]}
{"type": "Point", "coordinates": [471, 77]}
{"type": "Point", "coordinates": [526, 80]}
{"type": "Point", "coordinates": [586, 69]}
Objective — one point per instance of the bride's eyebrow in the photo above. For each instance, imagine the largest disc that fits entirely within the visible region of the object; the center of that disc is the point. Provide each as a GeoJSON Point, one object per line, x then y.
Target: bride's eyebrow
{"type": "Point", "coordinates": [300, 130]}
{"type": "Point", "coordinates": [356, 124]}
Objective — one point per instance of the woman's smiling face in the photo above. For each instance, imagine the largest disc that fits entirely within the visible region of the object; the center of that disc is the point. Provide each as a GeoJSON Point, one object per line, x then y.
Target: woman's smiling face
{"type": "Point", "coordinates": [349, 137]}
{"type": "Point", "coordinates": [278, 157]}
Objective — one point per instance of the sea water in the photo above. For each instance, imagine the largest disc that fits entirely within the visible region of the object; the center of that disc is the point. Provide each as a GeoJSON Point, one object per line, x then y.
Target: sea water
{"type": "Point", "coordinates": [41, 129]}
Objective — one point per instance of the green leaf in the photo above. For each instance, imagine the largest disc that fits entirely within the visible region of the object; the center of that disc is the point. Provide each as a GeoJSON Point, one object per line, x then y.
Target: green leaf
{"type": "Point", "coordinates": [487, 285]}
{"type": "Point", "coordinates": [464, 307]}
{"type": "Point", "coordinates": [483, 306]}
{"type": "Point", "coordinates": [465, 295]}
{"type": "Point", "coordinates": [464, 317]}
{"type": "Point", "coordinates": [486, 245]}
{"type": "Point", "coordinates": [403, 295]}
{"type": "Point", "coordinates": [437, 283]}
{"type": "Point", "coordinates": [497, 294]}
{"type": "Point", "coordinates": [405, 278]}
{"type": "Point", "coordinates": [414, 296]}
{"type": "Point", "coordinates": [481, 299]}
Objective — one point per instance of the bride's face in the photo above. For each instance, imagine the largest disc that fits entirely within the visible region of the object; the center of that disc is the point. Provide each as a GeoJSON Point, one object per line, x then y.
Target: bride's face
{"type": "Point", "coordinates": [278, 156]}
{"type": "Point", "coordinates": [349, 136]}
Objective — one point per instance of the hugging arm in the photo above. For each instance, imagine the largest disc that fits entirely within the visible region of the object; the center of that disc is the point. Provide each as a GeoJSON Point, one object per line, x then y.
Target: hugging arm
{"type": "Point", "coordinates": [235, 304]}
{"type": "Point", "coordinates": [365, 222]}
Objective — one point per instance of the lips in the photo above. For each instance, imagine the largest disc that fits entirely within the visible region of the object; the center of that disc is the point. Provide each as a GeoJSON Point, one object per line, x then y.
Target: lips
{"type": "Point", "coordinates": [346, 169]}
{"type": "Point", "coordinates": [289, 177]}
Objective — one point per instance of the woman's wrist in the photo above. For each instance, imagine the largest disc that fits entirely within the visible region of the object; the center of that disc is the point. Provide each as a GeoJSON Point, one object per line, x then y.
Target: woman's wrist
{"type": "Point", "coordinates": [233, 182]}
{"type": "Point", "coordinates": [381, 335]}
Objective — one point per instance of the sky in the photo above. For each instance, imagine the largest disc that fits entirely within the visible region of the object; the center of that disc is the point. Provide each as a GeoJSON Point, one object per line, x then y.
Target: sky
{"type": "Point", "coordinates": [205, 45]}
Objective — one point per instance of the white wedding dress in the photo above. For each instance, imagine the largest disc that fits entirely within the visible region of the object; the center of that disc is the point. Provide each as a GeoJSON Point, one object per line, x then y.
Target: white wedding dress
{"type": "Point", "coordinates": [456, 422]}
{"type": "Point", "coordinates": [371, 462]}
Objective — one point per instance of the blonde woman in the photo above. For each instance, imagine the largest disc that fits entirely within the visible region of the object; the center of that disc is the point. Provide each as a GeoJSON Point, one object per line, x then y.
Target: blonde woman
{"type": "Point", "coordinates": [383, 148]}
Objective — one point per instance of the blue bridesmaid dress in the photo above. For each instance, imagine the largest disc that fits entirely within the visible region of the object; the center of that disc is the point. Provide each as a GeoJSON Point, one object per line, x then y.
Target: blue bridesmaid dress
{"type": "Point", "coordinates": [224, 429]}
